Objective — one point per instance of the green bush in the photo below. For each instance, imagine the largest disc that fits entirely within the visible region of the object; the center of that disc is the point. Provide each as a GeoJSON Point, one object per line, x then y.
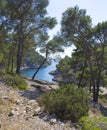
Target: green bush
{"type": "Point", "coordinates": [2, 73]}
{"type": "Point", "coordinates": [103, 97]}
{"type": "Point", "coordinates": [68, 103]}
{"type": "Point", "coordinates": [89, 123]}
{"type": "Point", "coordinates": [13, 80]}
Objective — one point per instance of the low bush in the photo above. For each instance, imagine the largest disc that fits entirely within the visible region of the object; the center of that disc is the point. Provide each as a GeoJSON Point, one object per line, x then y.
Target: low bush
{"type": "Point", "coordinates": [68, 102]}
{"type": "Point", "coordinates": [13, 80]}
{"type": "Point", "coordinates": [103, 97]}
{"type": "Point", "coordinates": [89, 123]}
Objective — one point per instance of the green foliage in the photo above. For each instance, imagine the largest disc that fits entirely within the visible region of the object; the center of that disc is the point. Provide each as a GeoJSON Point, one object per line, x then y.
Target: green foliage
{"type": "Point", "coordinates": [65, 69]}
{"type": "Point", "coordinates": [74, 23]}
{"type": "Point", "coordinates": [68, 103]}
{"type": "Point", "coordinates": [2, 3]}
{"type": "Point", "coordinates": [90, 53]}
{"type": "Point", "coordinates": [89, 123]}
{"type": "Point", "coordinates": [104, 79]}
{"type": "Point", "coordinates": [33, 58]}
{"type": "Point", "coordinates": [103, 97]}
{"type": "Point", "coordinates": [28, 29]}
{"type": "Point", "coordinates": [13, 80]}
{"type": "Point", "coordinates": [1, 57]}
{"type": "Point", "coordinates": [64, 65]}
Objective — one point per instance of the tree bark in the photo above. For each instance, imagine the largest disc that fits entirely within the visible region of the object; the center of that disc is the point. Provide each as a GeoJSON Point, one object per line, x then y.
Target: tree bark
{"type": "Point", "coordinates": [87, 52]}
{"type": "Point", "coordinates": [99, 72]}
{"type": "Point", "coordinates": [90, 87]}
{"type": "Point", "coordinates": [20, 47]}
{"type": "Point", "coordinates": [83, 70]}
{"type": "Point", "coordinates": [38, 68]}
{"type": "Point", "coordinates": [9, 61]}
{"type": "Point", "coordinates": [12, 64]}
{"type": "Point", "coordinates": [40, 65]}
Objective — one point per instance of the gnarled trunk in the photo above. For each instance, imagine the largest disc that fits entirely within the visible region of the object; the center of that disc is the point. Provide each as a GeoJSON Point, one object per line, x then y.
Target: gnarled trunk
{"type": "Point", "coordinates": [40, 65]}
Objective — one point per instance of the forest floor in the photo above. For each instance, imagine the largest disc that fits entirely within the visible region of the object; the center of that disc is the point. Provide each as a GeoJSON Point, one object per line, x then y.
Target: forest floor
{"type": "Point", "coordinates": [19, 109]}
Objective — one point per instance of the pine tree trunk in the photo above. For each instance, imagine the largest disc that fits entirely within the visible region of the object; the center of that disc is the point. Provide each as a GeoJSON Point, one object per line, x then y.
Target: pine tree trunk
{"type": "Point", "coordinates": [87, 52]}
{"type": "Point", "coordinates": [90, 87]}
{"type": "Point", "coordinates": [40, 65]}
{"type": "Point", "coordinates": [38, 69]}
{"type": "Point", "coordinates": [99, 72]}
{"type": "Point", "coordinates": [9, 61]}
{"type": "Point", "coordinates": [12, 64]}
{"type": "Point", "coordinates": [19, 58]}
{"type": "Point", "coordinates": [20, 47]}
{"type": "Point", "coordinates": [83, 70]}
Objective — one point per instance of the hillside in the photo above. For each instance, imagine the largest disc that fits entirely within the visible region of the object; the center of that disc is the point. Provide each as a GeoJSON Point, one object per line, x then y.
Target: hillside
{"type": "Point", "coordinates": [20, 111]}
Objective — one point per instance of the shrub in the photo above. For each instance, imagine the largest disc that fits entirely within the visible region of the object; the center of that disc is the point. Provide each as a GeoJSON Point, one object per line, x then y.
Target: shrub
{"type": "Point", "coordinates": [103, 97]}
{"type": "Point", "coordinates": [68, 103]}
{"type": "Point", "coordinates": [13, 80]}
{"type": "Point", "coordinates": [89, 123]}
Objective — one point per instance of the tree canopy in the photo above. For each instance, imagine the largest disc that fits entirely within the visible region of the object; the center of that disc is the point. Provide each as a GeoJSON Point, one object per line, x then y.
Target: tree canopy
{"type": "Point", "coordinates": [88, 61]}
{"type": "Point", "coordinates": [24, 26]}
{"type": "Point", "coordinates": [26, 23]}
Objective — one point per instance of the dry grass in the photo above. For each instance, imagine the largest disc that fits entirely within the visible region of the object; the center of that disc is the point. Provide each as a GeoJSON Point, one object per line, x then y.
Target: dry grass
{"type": "Point", "coordinates": [8, 103]}
{"type": "Point", "coordinates": [5, 106]}
{"type": "Point", "coordinates": [13, 127]}
{"type": "Point", "coordinates": [93, 112]}
{"type": "Point", "coordinates": [13, 98]}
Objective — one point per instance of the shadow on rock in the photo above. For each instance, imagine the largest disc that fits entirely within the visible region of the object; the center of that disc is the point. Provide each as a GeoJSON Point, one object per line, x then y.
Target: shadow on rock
{"type": "Point", "coordinates": [31, 94]}
{"type": "Point", "coordinates": [103, 110]}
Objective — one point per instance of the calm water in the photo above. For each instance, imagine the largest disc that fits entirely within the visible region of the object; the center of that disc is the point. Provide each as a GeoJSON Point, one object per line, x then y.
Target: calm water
{"type": "Point", "coordinates": [43, 73]}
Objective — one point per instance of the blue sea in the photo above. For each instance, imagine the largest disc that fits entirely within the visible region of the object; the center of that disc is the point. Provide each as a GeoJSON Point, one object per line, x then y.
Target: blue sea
{"type": "Point", "coordinates": [43, 73]}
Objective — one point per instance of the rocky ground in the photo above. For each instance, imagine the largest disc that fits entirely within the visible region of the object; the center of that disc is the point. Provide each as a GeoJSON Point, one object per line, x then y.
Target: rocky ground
{"type": "Point", "coordinates": [19, 109]}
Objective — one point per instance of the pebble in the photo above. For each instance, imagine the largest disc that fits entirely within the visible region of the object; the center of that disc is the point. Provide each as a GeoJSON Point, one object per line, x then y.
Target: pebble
{"type": "Point", "coordinates": [18, 102]}
{"type": "Point", "coordinates": [53, 121]}
{"type": "Point", "coordinates": [4, 97]}
{"type": "Point", "coordinates": [36, 111]}
{"type": "Point", "coordinates": [13, 113]}
{"type": "Point", "coordinates": [28, 109]}
{"type": "Point", "coordinates": [31, 102]}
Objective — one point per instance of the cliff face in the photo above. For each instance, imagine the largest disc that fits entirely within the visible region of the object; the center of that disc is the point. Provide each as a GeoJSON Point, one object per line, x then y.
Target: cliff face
{"type": "Point", "coordinates": [61, 77]}
{"type": "Point", "coordinates": [29, 63]}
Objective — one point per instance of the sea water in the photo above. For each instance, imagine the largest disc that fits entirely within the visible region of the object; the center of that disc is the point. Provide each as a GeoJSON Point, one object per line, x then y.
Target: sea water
{"type": "Point", "coordinates": [43, 73]}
